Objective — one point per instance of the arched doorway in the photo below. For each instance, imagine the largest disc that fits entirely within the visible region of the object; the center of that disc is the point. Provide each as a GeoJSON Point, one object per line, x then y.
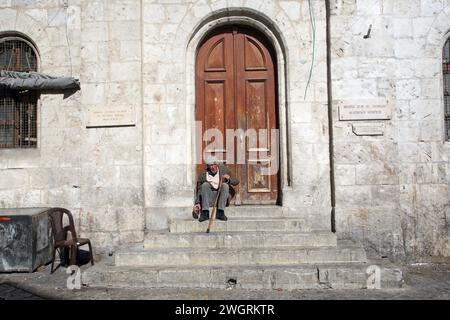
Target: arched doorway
{"type": "Point", "coordinates": [236, 95]}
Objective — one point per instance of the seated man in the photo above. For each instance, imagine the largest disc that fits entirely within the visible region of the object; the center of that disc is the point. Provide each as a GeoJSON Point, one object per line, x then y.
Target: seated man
{"type": "Point", "coordinates": [207, 187]}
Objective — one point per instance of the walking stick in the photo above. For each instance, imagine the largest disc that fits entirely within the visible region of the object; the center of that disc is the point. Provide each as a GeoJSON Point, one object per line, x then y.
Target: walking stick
{"type": "Point", "coordinates": [214, 210]}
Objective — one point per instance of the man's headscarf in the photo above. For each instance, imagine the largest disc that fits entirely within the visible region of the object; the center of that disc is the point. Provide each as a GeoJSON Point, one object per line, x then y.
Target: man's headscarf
{"type": "Point", "coordinates": [211, 160]}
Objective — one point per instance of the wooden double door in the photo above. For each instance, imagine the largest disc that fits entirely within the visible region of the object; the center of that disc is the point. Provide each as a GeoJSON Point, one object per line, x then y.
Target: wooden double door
{"type": "Point", "coordinates": [236, 95]}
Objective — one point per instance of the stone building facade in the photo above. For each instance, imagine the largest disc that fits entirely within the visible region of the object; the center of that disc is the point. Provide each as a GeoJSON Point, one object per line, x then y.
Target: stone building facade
{"type": "Point", "coordinates": [390, 176]}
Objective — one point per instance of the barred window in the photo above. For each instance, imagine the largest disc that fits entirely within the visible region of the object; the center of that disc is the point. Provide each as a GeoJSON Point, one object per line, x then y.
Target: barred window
{"type": "Point", "coordinates": [446, 75]}
{"type": "Point", "coordinates": [18, 109]}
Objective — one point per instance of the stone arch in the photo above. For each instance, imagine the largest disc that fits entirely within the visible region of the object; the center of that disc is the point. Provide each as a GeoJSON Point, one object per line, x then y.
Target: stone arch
{"type": "Point", "coordinates": [31, 29]}
{"type": "Point", "coordinates": [23, 37]}
{"type": "Point", "coordinates": [438, 33]}
{"type": "Point", "coordinates": [277, 36]}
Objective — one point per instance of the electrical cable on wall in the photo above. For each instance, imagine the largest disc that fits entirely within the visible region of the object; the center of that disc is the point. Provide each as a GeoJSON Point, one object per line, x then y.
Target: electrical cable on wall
{"type": "Point", "coordinates": [313, 26]}
{"type": "Point", "coordinates": [66, 6]}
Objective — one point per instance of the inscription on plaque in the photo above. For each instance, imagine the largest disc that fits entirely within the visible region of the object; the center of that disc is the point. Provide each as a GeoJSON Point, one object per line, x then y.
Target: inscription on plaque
{"type": "Point", "coordinates": [368, 129]}
{"type": "Point", "coordinates": [373, 109]}
{"type": "Point", "coordinates": [111, 116]}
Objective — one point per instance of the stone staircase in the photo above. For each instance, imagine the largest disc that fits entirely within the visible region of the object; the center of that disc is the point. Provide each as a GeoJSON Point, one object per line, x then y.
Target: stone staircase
{"type": "Point", "coordinates": [257, 248]}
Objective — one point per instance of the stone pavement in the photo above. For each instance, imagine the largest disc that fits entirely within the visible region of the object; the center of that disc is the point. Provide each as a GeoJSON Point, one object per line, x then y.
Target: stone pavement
{"type": "Point", "coordinates": [12, 292]}
{"type": "Point", "coordinates": [424, 281]}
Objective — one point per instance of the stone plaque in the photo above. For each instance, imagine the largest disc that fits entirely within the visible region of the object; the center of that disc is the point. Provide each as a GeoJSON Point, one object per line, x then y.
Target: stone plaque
{"type": "Point", "coordinates": [368, 129]}
{"type": "Point", "coordinates": [364, 109]}
{"type": "Point", "coordinates": [111, 116]}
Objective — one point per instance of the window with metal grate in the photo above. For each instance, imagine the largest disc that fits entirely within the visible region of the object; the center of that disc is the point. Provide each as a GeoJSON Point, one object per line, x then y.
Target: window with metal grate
{"type": "Point", "coordinates": [446, 76]}
{"type": "Point", "coordinates": [18, 109]}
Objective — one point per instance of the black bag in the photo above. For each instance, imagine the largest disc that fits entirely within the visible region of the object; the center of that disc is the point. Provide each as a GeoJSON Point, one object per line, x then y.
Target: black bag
{"type": "Point", "coordinates": [83, 257]}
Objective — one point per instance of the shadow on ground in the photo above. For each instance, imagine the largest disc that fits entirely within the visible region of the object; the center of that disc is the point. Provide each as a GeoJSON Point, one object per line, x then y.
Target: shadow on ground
{"type": "Point", "coordinates": [422, 281]}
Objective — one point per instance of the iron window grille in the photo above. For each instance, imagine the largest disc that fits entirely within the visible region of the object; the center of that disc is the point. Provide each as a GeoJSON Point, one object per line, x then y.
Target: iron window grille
{"type": "Point", "coordinates": [18, 109]}
{"type": "Point", "coordinates": [446, 76]}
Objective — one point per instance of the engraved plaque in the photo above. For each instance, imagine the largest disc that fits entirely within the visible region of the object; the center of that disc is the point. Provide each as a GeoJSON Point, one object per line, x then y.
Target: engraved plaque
{"type": "Point", "coordinates": [364, 109]}
{"type": "Point", "coordinates": [111, 116]}
{"type": "Point", "coordinates": [368, 129]}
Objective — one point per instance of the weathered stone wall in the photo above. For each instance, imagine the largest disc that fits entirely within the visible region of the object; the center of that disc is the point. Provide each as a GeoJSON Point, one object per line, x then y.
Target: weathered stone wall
{"type": "Point", "coordinates": [171, 35]}
{"type": "Point", "coordinates": [393, 190]}
{"type": "Point", "coordinates": [96, 173]}
{"type": "Point", "coordinates": [112, 196]}
{"type": "Point", "coordinates": [51, 174]}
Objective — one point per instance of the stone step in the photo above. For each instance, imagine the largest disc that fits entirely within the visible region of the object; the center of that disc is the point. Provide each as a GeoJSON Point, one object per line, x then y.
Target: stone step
{"type": "Point", "coordinates": [309, 276]}
{"type": "Point", "coordinates": [254, 211]}
{"type": "Point", "coordinates": [240, 239]}
{"type": "Point", "coordinates": [241, 256]}
{"type": "Point", "coordinates": [238, 225]}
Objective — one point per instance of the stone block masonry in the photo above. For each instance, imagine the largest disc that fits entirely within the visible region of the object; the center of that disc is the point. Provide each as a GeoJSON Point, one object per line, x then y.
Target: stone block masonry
{"type": "Point", "coordinates": [392, 189]}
